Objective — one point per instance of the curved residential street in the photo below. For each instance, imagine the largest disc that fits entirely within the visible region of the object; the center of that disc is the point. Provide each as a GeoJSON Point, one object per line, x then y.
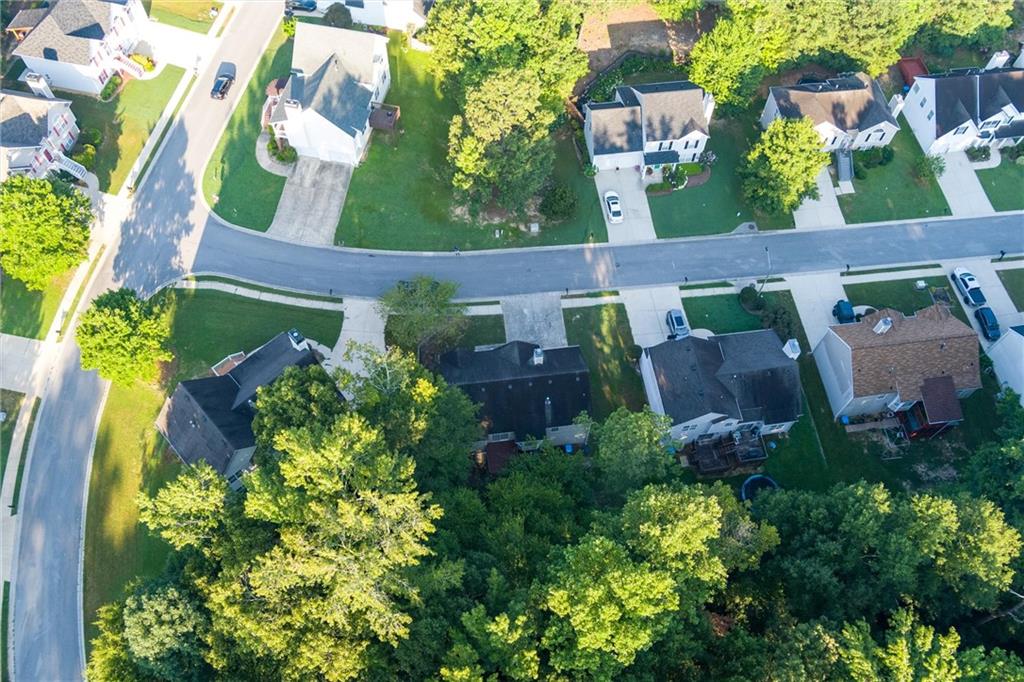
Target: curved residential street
{"type": "Point", "coordinates": [169, 232]}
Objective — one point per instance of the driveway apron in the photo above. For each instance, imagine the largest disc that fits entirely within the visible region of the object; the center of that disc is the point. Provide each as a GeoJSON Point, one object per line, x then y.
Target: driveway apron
{"type": "Point", "coordinates": [535, 318]}
{"type": "Point", "coordinates": [311, 203]}
{"type": "Point", "coordinates": [960, 185]}
{"type": "Point", "coordinates": [636, 224]}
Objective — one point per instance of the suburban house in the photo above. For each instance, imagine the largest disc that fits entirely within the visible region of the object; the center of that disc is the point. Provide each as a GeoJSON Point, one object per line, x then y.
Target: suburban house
{"type": "Point", "coordinates": [338, 78]}
{"type": "Point", "coordinates": [35, 133]}
{"type": "Point", "coordinates": [400, 15]}
{"type": "Point", "coordinates": [964, 108]}
{"type": "Point", "coordinates": [849, 111]}
{"type": "Point", "coordinates": [916, 367]}
{"type": "Point", "coordinates": [1007, 355]}
{"type": "Point", "coordinates": [525, 394]}
{"type": "Point", "coordinates": [210, 418]}
{"type": "Point", "coordinates": [722, 393]}
{"type": "Point", "coordinates": [648, 125]}
{"type": "Point", "coordinates": [79, 44]}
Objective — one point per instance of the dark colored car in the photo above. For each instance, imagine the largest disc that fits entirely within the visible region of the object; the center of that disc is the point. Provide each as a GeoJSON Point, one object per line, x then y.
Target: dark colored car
{"type": "Point", "coordinates": [222, 85]}
{"type": "Point", "coordinates": [988, 323]}
{"type": "Point", "coordinates": [843, 312]}
{"type": "Point", "coordinates": [302, 5]}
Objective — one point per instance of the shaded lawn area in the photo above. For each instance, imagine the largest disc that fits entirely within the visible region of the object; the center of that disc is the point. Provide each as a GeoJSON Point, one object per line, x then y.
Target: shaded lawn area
{"type": "Point", "coordinates": [10, 403]}
{"type": "Point", "coordinates": [901, 295]}
{"type": "Point", "coordinates": [234, 184]}
{"type": "Point", "coordinates": [1013, 281]}
{"type": "Point", "coordinates": [191, 15]}
{"type": "Point", "coordinates": [125, 122]}
{"type": "Point", "coordinates": [481, 330]}
{"type": "Point", "coordinates": [891, 192]}
{"type": "Point", "coordinates": [24, 312]}
{"type": "Point", "coordinates": [130, 455]}
{"type": "Point", "coordinates": [401, 195]}
{"type": "Point", "coordinates": [712, 208]}
{"type": "Point", "coordinates": [1004, 185]}
{"type": "Point", "coordinates": [603, 335]}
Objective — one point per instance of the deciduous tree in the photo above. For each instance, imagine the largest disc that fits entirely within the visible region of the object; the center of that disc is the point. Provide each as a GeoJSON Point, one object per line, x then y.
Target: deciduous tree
{"type": "Point", "coordinates": [300, 397]}
{"type": "Point", "coordinates": [421, 310]}
{"type": "Point", "coordinates": [632, 449]}
{"type": "Point", "coordinates": [781, 170]}
{"type": "Point", "coordinates": [124, 337]}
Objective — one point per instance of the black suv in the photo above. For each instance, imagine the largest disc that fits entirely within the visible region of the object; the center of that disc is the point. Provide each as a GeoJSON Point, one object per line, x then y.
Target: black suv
{"type": "Point", "coordinates": [222, 85]}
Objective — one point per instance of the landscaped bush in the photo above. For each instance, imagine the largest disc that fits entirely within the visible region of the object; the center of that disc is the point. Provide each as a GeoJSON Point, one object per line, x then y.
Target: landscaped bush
{"type": "Point", "coordinates": [111, 88]}
{"type": "Point", "coordinates": [1013, 153]}
{"type": "Point", "coordinates": [590, 171]}
{"type": "Point", "coordinates": [142, 60]}
{"type": "Point", "coordinates": [559, 202]}
{"type": "Point", "coordinates": [338, 16]}
{"type": "Point", "coordinates": [285, 153]}
{"type": "Point", "coordinates": [978, 153]}
{"type": "Point", "coordinates": [85, 154]}
{"type": "Point", "coordinates": [878, 156]}
{"type": "Point", "coordinates": [603, 87]}
{"type": "Point", "coordinates": [90, 136]}
{"type": "Point", "coordinates": [779, 319]}
{"type": "Point", "coordinates": [659, 187]}
{"type": "Point", "coordinates": [288, 26]}
{"type": "Point", "coordinates": [928, 167]}
{"type": "Point", "coordinates": [750, 299]}
{"type": "Point", "coordinates": [708, 158]}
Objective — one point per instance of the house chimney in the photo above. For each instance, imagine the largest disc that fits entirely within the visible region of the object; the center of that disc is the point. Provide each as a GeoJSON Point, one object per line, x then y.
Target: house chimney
{"type": "Point", "coordinates": [883, 325]}
{"type": "Point", "coordinates": [792, 349]}
{"type": "Point", "coordinates": [39, 84]}
{"type": "Point", "coordinates": [549, 413]}
{"type": "Point", "coordinates": [538, 357]}
{"type": "Point", "coordinates": [896, 105]}
{"type": "Point", "coordinates": [998, 60]}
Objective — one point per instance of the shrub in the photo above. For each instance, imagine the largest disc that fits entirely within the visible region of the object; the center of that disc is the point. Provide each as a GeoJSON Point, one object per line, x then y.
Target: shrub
{"type": "Point", "coordinates": [85, 154]}
{"type": "Point", "coordinates": [590, 171]}
{"type": "Point", "coordinates": [559, 202]}
{"type": "Point", "coordinates": [658, 187]}
{"type": "Point", "coordinates": [779, 319]}
{"type": "Point", "coordinates": [708, 158]}
{"type": "Point", "coordinates": [287, 154]}
{"type": "Point", "coordinates": [750, 299]}
{"type": "Point", "coordinates": [603, 87]}
{"type": "Point", "coordinates": [1014, 152]}
{"type": "Point", "coordinates": [1019, 161]}
{"type": "Point", "coordinates": [928, 167]}
{"type": "Point", "coordinates": [634, 352]}
{"type": "Point", "coordinates": [858, 169]}
{"type": "Point", "coordinates": [111, 87]}
{"type": "Point", "coordinates": [288, 26]}
{"type": "Point", "coordinates": [878, 156]}
{"type": "Point", "coordinates": [142, 60]}
{"type": "Point", "coordinates": [90, 136]}
{"type": "Point", "coordinates": [338, 16]}
{"type": "Point", "coordinates": [978, 153]}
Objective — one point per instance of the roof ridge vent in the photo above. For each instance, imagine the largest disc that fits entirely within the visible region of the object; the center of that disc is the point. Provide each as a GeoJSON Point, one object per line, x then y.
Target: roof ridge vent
{"type": "Point", "coordinates": [882, 326]}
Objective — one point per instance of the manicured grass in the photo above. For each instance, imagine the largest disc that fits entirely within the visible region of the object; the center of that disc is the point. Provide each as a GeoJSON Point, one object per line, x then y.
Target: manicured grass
{"type": "Point", "coordinates": [23, 455]}
{"type": "Point", "coordinates": [28, 313]}
{"type": "Point", "coordinates": [891, 192]}
{"type": "Point", "coordinates": [78, 294]}
{"type": "Point", "coordinates": [603, 335]}
{"type": "Point", "coordinates": [717, 206]}
{"type": "Point", "coordinates": [1004, 185]}
{"type": "Point", "coordinates": [234, 184]}
{"type": "Point", "coordinates": [191, 15]}
{"type": "Point", "coordinates": [901, 295]}
{"type": "Point", "coordinates": [4, 615]}
{"type": "Point", "coordinates": [125, 123]}
{"type": "Point", "coordinates": [484, 330]}
{"type": "Point", "coordinates": [875, 271]}
{"type": "Point", "coordinates": [722, 314]}
{"type": "Point", "coordinates": [1013, 281]}
{"type": "Point", "coordinates": [401, 195]}
{"type": "Point", "coordinates": [163, 133]}
{"type": "Point", "coordinates": [10, 402]}
{"type": "Point", "coordinates": [130, 456]}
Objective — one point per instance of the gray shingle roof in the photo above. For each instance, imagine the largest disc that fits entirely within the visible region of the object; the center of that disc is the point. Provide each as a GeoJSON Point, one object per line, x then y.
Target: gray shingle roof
{"type": "Point", "coordinates": [27, 18]}
{"type": "Point", "coordinates": [965, 95]}
{"type": "Point", "coordinates": [24, 118]}
{"type": "Point", "coordinates": [66, 30]}
{"type": "Point", "coordinates": [849, 102]}
{"type": "Point", "coordinates": [671, 110]}
{"type": "Point", "coordinates": [746, 376]}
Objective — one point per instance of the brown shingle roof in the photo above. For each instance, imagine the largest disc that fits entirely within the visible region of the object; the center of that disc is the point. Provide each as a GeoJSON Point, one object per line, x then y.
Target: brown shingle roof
{"type": "Point", "coordinates": [853, 102]}
{"type": "Point", "coordinates": [927, 345]}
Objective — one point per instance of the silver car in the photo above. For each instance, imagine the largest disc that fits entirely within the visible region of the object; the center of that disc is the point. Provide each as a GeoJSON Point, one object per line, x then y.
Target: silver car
{"type": "Point", "coordinates": [613, 206]}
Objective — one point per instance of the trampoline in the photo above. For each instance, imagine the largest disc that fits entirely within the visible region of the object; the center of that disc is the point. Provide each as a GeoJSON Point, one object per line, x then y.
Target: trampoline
{"type": "Point", "coordinates": [756, 484]}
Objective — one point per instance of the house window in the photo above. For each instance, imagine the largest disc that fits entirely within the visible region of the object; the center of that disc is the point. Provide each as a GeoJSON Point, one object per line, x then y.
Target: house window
{"type": "Point", "coordinates": [686, 144]}
{"type": "Point", "coordinates": [931, 115]}
{"type": "Point", "coordinates": [990, 124]}
{"type": "Point", "coordinates": [960, 131]}
{"type": "Point", "coordinates": [916, 87]}
{"type": "Point", "coordinates": [663, 146]}
{"type": "Point", "coordinates": [924, 100]}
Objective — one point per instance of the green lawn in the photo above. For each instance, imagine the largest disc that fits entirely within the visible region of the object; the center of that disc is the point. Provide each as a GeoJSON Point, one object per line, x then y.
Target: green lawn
{"type": "Point", "coordinates": [191, 15]}
{"type": "Point", "coordinates": [234, 184]}
{"type": "Point", "coordinates": [130, 456]}
{"type": "Point", "coordinates": [10, 402]}
{"type": "Point", "coordinates": [891, 192]}
{"type": "Point", "coordinates": [712, 208]}
{"type": "Point", "coordinates": [24, 312]}
{"type": "Point", "coordinates": [721, 313]}
{"type": "Point", "coordinates": [901, 295]}
{"type": "Point", "coordinates": [603, 335]}
{"type": "Point", "coordinates": [481, 330]}
{"type": "Point", "coordinates": [1013, 280]}
{"type": "Point", "coordinates": [401, 194]}
{"type": "Point", "coordinates": [125, 123]}
{"type": "Point", "coordinates": [1004, 185]}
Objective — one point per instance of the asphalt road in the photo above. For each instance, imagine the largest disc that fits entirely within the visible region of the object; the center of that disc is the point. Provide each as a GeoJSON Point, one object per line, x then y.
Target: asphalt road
{"type": "Point", "coordinates": [170, 232]}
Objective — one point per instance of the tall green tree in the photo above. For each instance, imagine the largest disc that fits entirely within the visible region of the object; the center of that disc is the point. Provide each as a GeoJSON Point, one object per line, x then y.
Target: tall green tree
{"type": "Point", "coordinates": [300, 397]}
{"type": "Point", "coordinates": [676, 10]}
{"type": "Point", "coordinates": [163, 629]}
{"type": "Point", "coordinates": [422, 311]}
{"type": "Point", "coordinates": [632, 448]}
{"type": "Point", "coordinates": [124, 337]}
{"type": "Point", "coordinates": [44, 230]}
{"type": "Point", "coordinates": [781, 170]}
{"type": "Point", "coordinates": [190, 511]}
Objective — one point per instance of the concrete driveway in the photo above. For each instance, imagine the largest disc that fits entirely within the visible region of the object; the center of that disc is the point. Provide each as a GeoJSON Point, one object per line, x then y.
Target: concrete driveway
{"type": "Point", "coordinates": [536, 318]}
{"type": "Point", "coordinates": [995, 293]}
{"type": "Point", "coordinates": [637, 224]}
{"type": "Point", "coordinates": [311, 203]}
{"type": "Point", "coordinates": [814, 296]}
{"type": "Point", "coordinates": [823, 211]}
{"type": "Point", "coordinates": [646, 310]}
{"type": "Point", "coordinates": [18, 366]}
{"type": "Point", "coordinates": [963, 192]}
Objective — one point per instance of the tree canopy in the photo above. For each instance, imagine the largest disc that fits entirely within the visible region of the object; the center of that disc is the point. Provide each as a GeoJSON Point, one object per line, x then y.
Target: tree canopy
{"type": "Point", "coordinates": [45, 229]}
{"type": "Point", "coordinates": [124, 337]}
{"type": "Point", "coordinates": [782, 168]}
{"type": "Point", "coordinates": [421, 311]}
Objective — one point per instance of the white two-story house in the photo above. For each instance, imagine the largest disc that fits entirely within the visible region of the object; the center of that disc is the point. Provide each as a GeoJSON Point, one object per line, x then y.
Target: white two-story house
{"type": "Point", "coordinates": [338, 77]}
{"type": "Point", "coordinates": [35, 134]}
{"type": "Point", "coordinates": [965, 108]}
{"type": "Point", "coordinates": [848, 112]}
{"type": "Point", "coordinates": [79, 44]}
{"type": "Point", "coordinates": [649, 125]}
{"type": "Point", "coordinates": [399, 15]}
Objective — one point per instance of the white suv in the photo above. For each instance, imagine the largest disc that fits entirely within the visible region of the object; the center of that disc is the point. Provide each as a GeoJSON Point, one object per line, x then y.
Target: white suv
{"type": "Point", "coordinates": [968, 287]}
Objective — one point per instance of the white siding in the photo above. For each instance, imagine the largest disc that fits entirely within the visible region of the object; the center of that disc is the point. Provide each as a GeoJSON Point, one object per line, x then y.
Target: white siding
{"type": "Point", "coordinates": [834, 361]}
{"type": "Point", "coordinates": [1008, 359]}
{"type": "Point", "coordinates": [917, 115]}
{"type": "Point", "coordinates": [66, 76]}
{"type": "Point", "coordinates": [770, 112]}
{"type": "Point", "coordinates": [877, 136]}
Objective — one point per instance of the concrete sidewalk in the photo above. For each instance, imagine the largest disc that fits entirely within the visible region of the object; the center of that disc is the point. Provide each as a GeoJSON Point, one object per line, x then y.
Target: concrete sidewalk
{"type": "Point", "coordinates": [535, 318]}
{"type": "Point", "coordinates": [646, 310]}
{"type": "Point", "coordinates": [20, 366]}
{"type": "Point", "coordinates": [823, 211]}
{"type": "Point", "coordinates": [364, 325]}
{"type": "Point", "coordinates": [960, 185]}
{"type": "Point", "coordinates": [241, 290]}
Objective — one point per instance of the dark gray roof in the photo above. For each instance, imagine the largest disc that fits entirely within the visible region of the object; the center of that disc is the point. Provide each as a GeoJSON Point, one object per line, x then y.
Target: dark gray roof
{"type": "Point", "coordinates": [849, 102]}
{"type": "Point", "coordinates": [671, 110]}
{"type": "Point", "coordinates": [998, 88]}
{"type": "Point", "coordinates": [211, 417]}
{"type": "Point", "coordinates": [24, 118]}
{"type": "Point", "coordinates": [964, 95]}
{"type": "Point", "coordinates": [1015, 129]}
{"type": "Point", "coordinates": [64, 32]}
{"type": "Point", "coordinates": [746, 376]}
{"type": "Point", "coordinates": [955, 102]}
{"type": "Point", "coordinates": [655, 158]}
{"type": "Point", "coordinates": [512, 390]}
{"type": "Point", "coordinates": [615, 128]}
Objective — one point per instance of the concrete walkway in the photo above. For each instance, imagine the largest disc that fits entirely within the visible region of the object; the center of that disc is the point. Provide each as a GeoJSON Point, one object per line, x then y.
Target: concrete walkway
{"type": "Point", "coordinates": [994, 159]}
{"type": "Point", "coordinates": [311, 203]}
{"type": "Point", "coordinates": [19, 367]}
{"type": "Point", "coordinates": [535, 318]}
{"type": "Point", "coordinates": [637, 224]}
{"type": "Point", "coordinates": [814, 296]}
{"type": "Point", "coordinates": [823, 211]}
{"type": "Point", "coordinates": [960, 185]}
{"type": "Point", "coordinates": [363, 325]}
{"type": "Point", "coordinates": [237, 290]}
{"type": "Point", "coordinates": [646, 310]}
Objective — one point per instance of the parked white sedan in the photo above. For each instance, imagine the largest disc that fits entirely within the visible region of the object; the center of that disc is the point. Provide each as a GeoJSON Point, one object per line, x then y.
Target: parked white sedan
{"type": "Point", "coordinates": [613, 206]}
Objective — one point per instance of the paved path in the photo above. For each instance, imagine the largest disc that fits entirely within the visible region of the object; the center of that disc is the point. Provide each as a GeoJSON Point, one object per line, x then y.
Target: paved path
{"type": "Point", "coordinates": [363, 325]}
{"type": "Point", "coordinates": [814, 296]}
{"type": "Point", "coordinates": [823, 211]}
{"type": "Point", "coordinates": [960, 185]}
{"type": "Point", "coordinates": [646, 310]}
{"type": "Point", "coordinates": [311, 203]}
{"type": "Point", "coordinates": [18, 368]}
{"type": "Point", "coordinates": [535, 318]}
{"type": "Point", "coordinates": [267, 296]}
{"type": "Point", "coordinates": [637, 224]}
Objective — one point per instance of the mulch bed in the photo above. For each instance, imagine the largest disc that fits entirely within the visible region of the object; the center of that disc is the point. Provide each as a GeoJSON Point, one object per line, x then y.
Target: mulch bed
{"type": "Point", "coordinates": [699, 179]}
